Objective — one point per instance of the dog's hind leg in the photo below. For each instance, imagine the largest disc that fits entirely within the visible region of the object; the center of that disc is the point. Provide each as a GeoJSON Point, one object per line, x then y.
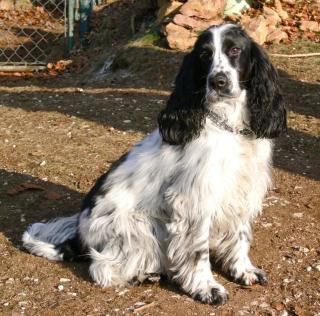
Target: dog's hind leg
{"type": "Point", "coordinates": [232, 251]}
{"type": "Point", "coordinates": [188, 253]}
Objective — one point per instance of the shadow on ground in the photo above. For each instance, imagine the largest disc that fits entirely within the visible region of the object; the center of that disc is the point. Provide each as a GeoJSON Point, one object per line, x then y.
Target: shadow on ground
{"type": "Point", "coordinates": [114, 99]}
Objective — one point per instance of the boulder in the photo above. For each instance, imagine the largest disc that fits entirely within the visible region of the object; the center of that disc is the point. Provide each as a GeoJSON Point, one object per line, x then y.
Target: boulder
{"type": "Point", "coordinates": [282, 13]}
{"type": "Point", "coordinates": [311, 26]}
{"type": "Point", "coordinates": [276, 36]}
{"type": "Point", "coordinates": [271, 16]}
{"type": "Point", "coordinates": [6, 5]}
{"type": "Point", "coordinates": [292, 2]}
{"type": "Point", "coordinates": [167, 8]}
{"type": "Point", "coordinates": [195, 24]}
{"type": "Point", "coordinates": [204, 9]}
{"type": "Point", "coordinates": [180, 38]}
{"type": "Point", "coordinates": [257, 28]}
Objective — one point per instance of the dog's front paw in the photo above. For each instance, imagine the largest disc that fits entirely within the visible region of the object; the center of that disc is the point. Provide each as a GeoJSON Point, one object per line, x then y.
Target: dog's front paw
{"type": "Point", "coordinates": [251, 276]}
{"type": "Point", "coordinates": [216, 295]}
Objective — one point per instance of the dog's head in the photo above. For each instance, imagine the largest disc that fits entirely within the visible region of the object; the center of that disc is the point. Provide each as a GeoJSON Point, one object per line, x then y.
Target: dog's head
{"type": "Point", "coordinates": [223, 64]}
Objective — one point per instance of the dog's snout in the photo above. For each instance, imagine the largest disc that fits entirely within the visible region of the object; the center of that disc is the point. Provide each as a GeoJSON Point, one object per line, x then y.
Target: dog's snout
{"type": "Point", "coordinates": [218, 81]}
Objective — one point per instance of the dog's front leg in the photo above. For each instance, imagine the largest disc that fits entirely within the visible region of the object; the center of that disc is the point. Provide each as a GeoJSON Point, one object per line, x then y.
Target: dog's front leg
{"type": "Point", "coordinates": [188, 253]}
{"type": "Point", "coordinates": [233, 253]}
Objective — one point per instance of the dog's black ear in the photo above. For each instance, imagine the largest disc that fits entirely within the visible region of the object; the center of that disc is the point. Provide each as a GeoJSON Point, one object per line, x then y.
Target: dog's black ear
{"type": "Point", "coordinates": [184, 116]}
{"type": "Point", "coordinates": [265, 102]}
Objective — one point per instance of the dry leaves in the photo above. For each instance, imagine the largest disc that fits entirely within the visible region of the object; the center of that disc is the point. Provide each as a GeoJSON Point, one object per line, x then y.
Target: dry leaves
{"type": "Point", "coordinates": [25, 186]}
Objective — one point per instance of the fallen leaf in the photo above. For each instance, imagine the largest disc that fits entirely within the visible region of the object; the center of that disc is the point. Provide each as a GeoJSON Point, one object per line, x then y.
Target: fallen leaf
{"type": "Point", "coordinates": [24, 187]}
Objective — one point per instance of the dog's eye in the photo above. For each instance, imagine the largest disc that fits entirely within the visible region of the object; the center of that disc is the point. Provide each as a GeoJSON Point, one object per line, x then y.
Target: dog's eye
{"type": "Point", "coordinates": [235, 51]}
{"type": "Point", "coordinates": [206, 54]}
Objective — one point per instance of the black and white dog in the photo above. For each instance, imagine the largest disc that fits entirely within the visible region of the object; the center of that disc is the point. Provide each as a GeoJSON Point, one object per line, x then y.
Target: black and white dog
{"type": "Point", "coordinates": [192, 187]}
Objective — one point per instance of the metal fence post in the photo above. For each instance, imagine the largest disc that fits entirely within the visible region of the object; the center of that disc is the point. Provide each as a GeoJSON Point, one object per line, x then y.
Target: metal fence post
{"type": "Point", "coordinates": [70, 38]}
{"type": "Point", "coordinates": [85, 14]}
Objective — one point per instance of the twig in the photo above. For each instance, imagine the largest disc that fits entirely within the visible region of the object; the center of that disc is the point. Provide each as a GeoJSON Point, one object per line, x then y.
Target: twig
{"type": "Point", "coordinates": [296, 55]}
{"type": "Point", "coordinates": [143, 307]}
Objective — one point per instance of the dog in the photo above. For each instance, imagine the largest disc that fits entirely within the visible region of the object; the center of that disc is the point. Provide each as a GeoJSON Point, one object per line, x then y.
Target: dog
{"type": "Point", "coordinates": [190, 190]}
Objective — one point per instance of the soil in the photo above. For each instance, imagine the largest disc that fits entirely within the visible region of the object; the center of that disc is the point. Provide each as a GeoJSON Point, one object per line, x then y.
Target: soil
{"type": "Point", "coordinates": [61, 132]}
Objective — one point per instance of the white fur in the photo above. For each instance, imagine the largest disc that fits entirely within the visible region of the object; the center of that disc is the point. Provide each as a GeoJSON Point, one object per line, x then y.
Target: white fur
{"type": "Point", "coordinates": [165, 206]}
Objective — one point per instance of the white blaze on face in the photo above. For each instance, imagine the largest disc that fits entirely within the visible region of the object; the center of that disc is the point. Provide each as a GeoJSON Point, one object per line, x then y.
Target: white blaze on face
{"type": "Point", "coordinates": [221, 61]}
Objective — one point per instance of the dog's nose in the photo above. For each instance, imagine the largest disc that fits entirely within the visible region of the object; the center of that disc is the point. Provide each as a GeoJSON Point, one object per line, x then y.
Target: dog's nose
{"type": "Point", "coordinates": [218, 81]}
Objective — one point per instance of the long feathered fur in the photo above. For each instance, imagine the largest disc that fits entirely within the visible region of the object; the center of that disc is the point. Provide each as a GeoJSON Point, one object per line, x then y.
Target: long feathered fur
{"type": "Point", "coordinates": [191, 187]}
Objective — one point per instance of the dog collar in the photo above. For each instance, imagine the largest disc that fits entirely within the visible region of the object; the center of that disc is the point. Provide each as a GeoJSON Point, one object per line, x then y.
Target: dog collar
{"type": "Point", "coordinates": [221, 123]}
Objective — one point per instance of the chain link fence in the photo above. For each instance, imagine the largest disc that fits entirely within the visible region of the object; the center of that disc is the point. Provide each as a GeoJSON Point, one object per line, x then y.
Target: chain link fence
{"type": "Point", "coordinates": [36, 32]}
{"type": "Point", "coordinates": [28, 32]}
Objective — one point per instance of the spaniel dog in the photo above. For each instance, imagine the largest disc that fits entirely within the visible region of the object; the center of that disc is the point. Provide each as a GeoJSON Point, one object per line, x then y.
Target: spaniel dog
{"type": "Point", "coordinates": [192, 187]}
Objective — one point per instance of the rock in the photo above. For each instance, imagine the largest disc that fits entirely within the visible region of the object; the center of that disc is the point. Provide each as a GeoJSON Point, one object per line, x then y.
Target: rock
{"type": "Point", "coordinates": [289, 1]}
{"type": "Point", "coordinates": [282, 13]}
{"type": "Point", "coordinates": [180, 38]}
{"type": "Point", "coordinates": [297, 215]}
{"type": "Point", "coordinates": [312, 26]}
{"type": "Point", "coordinates": [191, 23]}
{"type": "Point", "coordinates": [276, 36]}
{"type": "Point", "coordinates": [257, 28]}
{"type": "Point", "coordinates": [167, 8]}
{"type": "Point", "coordinates": [271, 16]}
{"type": "Point", "coordinates": [203, 9]}
{"type": "Point", "coordinates": [6, 5]}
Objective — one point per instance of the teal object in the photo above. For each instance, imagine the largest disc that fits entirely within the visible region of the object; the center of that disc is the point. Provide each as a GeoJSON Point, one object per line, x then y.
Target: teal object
{"type": "Point", "coordinates": [70, 29]}
{"type": "Point", "coordinates": [85, 9]}
{"type": "Point", "coordinates": [236, 7]}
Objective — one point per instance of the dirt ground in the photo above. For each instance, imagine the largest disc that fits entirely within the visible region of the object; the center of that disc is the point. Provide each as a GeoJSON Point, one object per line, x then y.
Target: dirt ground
{"type": "Point", "coordinates": [62, 132]}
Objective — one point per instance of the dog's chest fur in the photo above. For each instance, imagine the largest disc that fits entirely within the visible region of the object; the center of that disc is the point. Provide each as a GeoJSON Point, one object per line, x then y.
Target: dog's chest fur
{"type": "Point", "coordinates": [220, 174]}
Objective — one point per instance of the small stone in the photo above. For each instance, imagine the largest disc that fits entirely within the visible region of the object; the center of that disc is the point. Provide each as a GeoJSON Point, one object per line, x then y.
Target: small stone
{"type": "Point", "coordinates": [137, 304]}
{"type": "Point", "coordinates": [127, 121]}
{"type": "Point", "coordinates": [264, 305]}
{"type": "Point", "coordinates": [42, 163]}
{"type": "Point", "coordinates": [60, 287]}
{"type": "Point", "coordinates": [309, 269]}
{"type": "Point", "coordinates": [10, 281]}
{"type": "Point", "coordinates": [64, 280]}
{"type": "Point", "coordinates": [123, 292]}
{"type": "Point", "coordinates": [6, 304]}
{"type": "Point", "coordinates": [297, 215]}
{"type": "Point", "coordinates": [301, 249]}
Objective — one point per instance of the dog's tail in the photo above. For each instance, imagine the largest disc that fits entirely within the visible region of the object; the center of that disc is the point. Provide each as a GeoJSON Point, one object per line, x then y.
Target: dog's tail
{"type": "Point", "coordinates": [49, 239]}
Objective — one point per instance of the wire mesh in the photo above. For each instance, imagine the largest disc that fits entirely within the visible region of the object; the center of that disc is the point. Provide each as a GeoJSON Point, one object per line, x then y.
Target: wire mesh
{"type": "Point", "coordinates": [27, 36]}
